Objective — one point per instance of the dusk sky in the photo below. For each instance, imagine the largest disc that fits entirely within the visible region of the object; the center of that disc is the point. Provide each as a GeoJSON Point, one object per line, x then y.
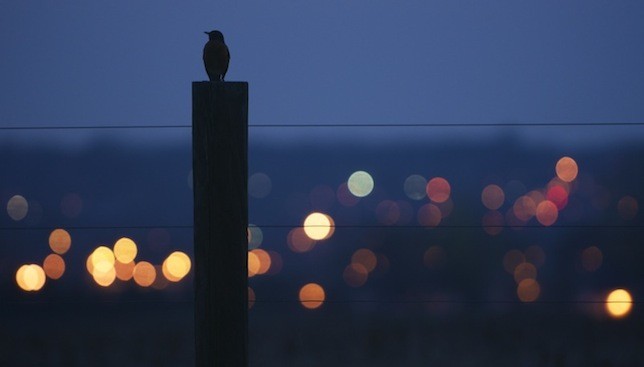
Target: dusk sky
{"type": "Point", "coordinates": [80, 63]}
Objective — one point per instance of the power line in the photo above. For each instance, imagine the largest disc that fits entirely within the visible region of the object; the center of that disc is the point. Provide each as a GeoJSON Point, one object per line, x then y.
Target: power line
{"type": "Point", "coordinates": [334, 125]}
{"type": "Point", "coordinates": [341, 226]}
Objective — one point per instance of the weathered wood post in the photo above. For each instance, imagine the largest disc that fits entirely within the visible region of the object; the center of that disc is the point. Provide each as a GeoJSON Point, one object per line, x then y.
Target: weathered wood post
{"type": "Point", "coordinates": [220, 172]}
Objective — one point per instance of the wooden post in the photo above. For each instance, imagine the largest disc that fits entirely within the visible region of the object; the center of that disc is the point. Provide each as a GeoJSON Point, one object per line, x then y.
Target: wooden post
{"type": "Point", "coordinates": [220, 171]}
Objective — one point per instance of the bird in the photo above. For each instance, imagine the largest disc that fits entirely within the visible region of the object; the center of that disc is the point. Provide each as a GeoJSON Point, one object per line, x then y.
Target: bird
{"type": "Point", "coordinates": [216, 56]}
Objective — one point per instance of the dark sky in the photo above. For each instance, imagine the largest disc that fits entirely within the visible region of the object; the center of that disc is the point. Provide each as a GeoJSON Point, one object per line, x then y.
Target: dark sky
{"type": "Point", "coordinates": [128, 62]}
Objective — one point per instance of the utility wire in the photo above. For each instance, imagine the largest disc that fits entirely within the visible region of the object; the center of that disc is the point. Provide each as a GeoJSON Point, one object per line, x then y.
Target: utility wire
{"type": "Point", "coordinates": [316, 125]}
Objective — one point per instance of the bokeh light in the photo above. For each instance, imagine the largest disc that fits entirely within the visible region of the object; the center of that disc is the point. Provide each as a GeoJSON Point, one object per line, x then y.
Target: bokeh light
{"type": "Point", "coordinates": [438, 190]}
{"type": "Point", "coordinates": [567, 169]}
{"type": "Point", "coordinates": [17, 207]}
{"type": "Point", "coordinates": [124, 272]}
{"type": "Point", "coordinates": [276, 263]}
{"type": "Point", "coordinates": [60, 241]}
{"type": "Point", "coordinates": [312, 295]}
{"type": "Point", "coordinates": [619, 303]}
{"type": "Point", "coordinates": [528, 290]}
{"type": "Point", "coordinates": [298, 241]}
{"type": "Point", "coordinates": [355, 275]}
{"type": "Point", "coordinates": [429, 215]}
{"type": "Point", "coordinates": [524, 208]}
{"type": "Point", "coordinates": [259, 185]}
{"type": "Point", "coordinates": [512, 259]}
{"type": "Point", "coordinates": [104, 278]}
{"type": "Point", "coordinates": [388, 212]}
{"type": "Point", "coordinates": [345, 197]}
{"type": "Point", "coordinates": [125, 250]}
{"type": "Point", "coordinates": [176, 266]}
{"type": "Point", "coordinates": [318, 226]}
{"type": "Point", "coordinates": [493, 222]}
{"type": "Point", "coordinates": [360, 184]}
{"type": "Point", "coordinates": [144, 274]}
{"type": "Point", "coordinates": [102, 259]}
{"type": "Point", "coordinates": [255, 236]}
{"type": "Point", "coordinates": [591, 258]}
{"type": "Point", "coordinates": [366, 258]}
{"type": "Point", "coordinates": [54, 266]}
{"type": "Point", "coordinates": [31, 277]}
{"type": "Point", "coordinates": [492, 197]}
{"type": "Point", "coordinates": [415, 186]}
{"type": "Point", "coordinates": [253, 264]}
{"type": "Point", "coordinates": [264, 261]}
{"type": "Point", "coordinates": [627, 207]}
{"type": "Point", "coordinates": [524, 271]}
{"type": "Point", "coordinates": [557, 195]}
{"type": "Point", "coordinates": [547, 213]}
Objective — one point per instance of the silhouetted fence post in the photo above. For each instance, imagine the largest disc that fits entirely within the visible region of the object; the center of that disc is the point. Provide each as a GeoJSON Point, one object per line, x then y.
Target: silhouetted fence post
{"type": "Point", "coordinates": [220, 172]}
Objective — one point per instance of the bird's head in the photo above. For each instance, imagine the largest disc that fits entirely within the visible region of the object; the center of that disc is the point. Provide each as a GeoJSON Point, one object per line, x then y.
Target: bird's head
{"type": "Point", "coordinates": [215, 35]}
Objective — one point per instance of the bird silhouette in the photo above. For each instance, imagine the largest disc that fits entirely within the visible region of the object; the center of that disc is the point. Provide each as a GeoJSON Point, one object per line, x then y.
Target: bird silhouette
{"type": "Point", "coordinates": [216, 56]}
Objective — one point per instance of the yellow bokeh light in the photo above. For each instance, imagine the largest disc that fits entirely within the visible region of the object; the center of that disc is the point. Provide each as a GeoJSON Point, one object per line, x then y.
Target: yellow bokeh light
{"type": "Point", "coordinates": [60, 241]}
{"type": "Point", "coordinates": [176, 266]}
{"type": "Point", "coordinates": [492, 197]}
{"type": "Point", "coordinates": [528, 290]}
{"type": "Point", "coordinates": [104, 278]}
{"type": "Point", "coordinates": [125, 250]}
{"type": "Point", "coordinates": [318, 226]}
{"type": "Point", "coordinates": [312, 296]}
{"type": "Point", "coordinates": [54, 266]}
{"type": "Point", "coordinates": [17, 208]}
{"type": "Point", "coordinates": [619, 303]}
{"type": "Point", "coordinates": [567, 169]}
{"type": "Point", "coordinates": [30, 277]}
{"type": "Point", "coordinates": [438, 190]}
{"type": "Point", "coordinates": [102, 259]}
{"type": "Point", "coordinates": [360, 184]}
{"type": "Point", "coordinates": [144, 274]}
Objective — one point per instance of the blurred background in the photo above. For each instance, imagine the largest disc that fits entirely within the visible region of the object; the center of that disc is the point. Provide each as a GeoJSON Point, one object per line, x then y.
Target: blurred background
{"type": "Point", "coordinates": [386, 230]}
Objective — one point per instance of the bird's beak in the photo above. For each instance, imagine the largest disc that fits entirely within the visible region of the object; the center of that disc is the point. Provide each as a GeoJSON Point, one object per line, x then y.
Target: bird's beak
{"type": "Point", "coordinates": [206, 32]}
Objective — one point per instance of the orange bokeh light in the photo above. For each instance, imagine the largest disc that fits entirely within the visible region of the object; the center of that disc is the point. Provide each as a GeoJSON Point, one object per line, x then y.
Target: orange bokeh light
{"type": "Point", "coordinates": [492, 197]}
{"type": "Point", "coordinates": [438, 190]}
{"type": "Point", "coordinates": [528, 290]}
{"type": "Point", "coordinates": [144, 274]}
{"type": "Point", "coordinates": [312, 296]}
{"type": "Point", "coordinates": [60, 241]}
{"type": "Point", "coordinates": [567, 169]}
{"type": "Point", "coordinates": [429, 215]}
{"type": "Point", "coordinates": [547, 213]}
{"type": "Point", "coordinates": [54, 266]}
